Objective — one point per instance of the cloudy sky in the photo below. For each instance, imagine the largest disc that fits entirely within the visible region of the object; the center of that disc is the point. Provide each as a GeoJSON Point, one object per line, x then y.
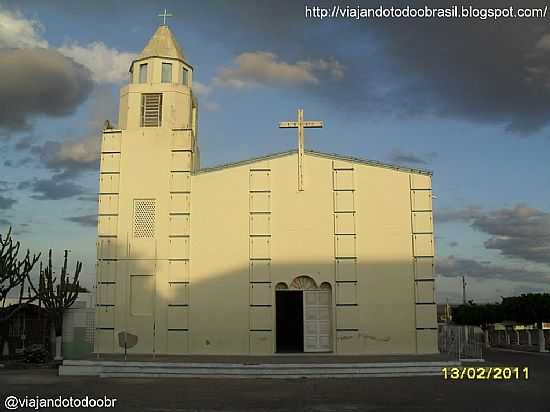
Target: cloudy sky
{"type": "Point", "coordinates": [467, 99]}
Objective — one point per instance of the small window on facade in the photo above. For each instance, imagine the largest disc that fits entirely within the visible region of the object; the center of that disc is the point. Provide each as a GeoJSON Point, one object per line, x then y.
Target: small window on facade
{"type": "Point", "coordinates": [184, 76]}
{"type": "Point", "coordinates": [143, 73]}
{"type": "Point", "coordinates": [131, 77]}
{"type": "Point", "coordinates": [166, 72]}
{"type": "Point", "coordinates": [151, 110]}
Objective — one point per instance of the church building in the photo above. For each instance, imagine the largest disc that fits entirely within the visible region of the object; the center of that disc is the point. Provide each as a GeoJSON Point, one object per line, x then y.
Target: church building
{"type": "Point", "coordinates": [297, 251]}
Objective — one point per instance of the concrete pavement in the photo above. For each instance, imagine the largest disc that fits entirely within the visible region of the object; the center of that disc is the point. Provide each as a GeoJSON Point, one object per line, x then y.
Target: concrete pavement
{"type": "Point", "coordinates": [431, 393]}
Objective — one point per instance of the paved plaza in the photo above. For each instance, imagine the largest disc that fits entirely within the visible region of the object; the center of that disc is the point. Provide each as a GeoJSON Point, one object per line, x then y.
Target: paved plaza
{"type": "Point", "coordinates": [324, 395]}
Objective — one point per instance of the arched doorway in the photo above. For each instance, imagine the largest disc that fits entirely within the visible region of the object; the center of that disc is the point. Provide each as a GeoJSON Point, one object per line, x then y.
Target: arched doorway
{"type": "Point", "coordinates": [302, 312]}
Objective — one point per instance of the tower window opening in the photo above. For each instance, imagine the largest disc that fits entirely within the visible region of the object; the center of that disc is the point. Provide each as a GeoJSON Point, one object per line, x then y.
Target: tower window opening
{"type": "Point", "coordinates": [151, 110]}
{"type": "Point", "coordinates": [131, 77]}
{"type": "Point", "coordinates": [166, 72]}
{"type": "Point", "coordinates": [143, 73]}
{"type": "Point", "coordinates": [184, 76]}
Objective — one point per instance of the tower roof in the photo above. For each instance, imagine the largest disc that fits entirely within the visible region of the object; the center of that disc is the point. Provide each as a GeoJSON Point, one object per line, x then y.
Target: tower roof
{"type": "Point", "coordinates": [162, 44]}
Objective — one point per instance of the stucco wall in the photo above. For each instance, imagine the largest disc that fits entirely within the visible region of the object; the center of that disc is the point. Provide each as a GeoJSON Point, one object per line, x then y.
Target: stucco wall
{"type": "Point", "coordinates": [302, 242]}
{"type": "Point", "coordinates": [220, 305]}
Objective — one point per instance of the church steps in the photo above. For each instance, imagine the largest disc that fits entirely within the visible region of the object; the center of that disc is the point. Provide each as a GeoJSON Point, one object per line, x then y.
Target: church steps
{"type": "Point", "coordinates": [226, 370]}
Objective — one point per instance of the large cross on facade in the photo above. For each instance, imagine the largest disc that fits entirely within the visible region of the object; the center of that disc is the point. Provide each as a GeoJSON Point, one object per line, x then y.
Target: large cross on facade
{"type": "Point", "coordinates": [164, 15]}
{"type": "Point", "coordinates": [301, 124]}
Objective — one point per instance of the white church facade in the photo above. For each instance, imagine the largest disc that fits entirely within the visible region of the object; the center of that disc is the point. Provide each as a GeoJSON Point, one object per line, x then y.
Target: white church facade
{"type": "Point", "coordinates": [292, 252]}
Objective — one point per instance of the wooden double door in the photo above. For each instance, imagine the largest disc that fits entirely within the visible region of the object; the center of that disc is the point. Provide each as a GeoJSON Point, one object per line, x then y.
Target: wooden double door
{"type": "Point", "coordinates": [303, 320]}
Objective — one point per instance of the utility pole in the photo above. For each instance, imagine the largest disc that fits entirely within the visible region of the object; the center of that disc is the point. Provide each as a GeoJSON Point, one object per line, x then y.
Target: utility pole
{"type": "Point", "coordinates": [464, 327]}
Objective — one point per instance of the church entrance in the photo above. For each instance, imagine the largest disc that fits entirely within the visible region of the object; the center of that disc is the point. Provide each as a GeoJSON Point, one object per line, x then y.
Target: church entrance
{"type": "Point", "coordinates": [289, 312]}
{"type": "Point", "coordinates": [303, 316]}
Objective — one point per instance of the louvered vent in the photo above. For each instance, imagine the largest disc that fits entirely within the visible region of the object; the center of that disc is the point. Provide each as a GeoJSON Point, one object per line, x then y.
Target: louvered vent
{"type": "Point", "coordinates": [151, 110]}
{"type": "Point", "coordinates": [144, 218]}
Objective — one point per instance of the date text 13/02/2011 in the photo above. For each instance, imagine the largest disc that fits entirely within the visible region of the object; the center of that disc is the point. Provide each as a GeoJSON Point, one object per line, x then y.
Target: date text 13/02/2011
{"type": "Point", "coordinates": [486, 373]}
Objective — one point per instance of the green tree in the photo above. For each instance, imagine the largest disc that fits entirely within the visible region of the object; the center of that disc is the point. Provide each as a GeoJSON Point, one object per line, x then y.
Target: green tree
{"type": "Point", "coordinates": [13, 271]}
{"type": "Point", "coordinates": [58, 296]}
{"type": "Point", "coordinates": [477, 315]}
{"type": "Point", "coordinates": [527, 309]}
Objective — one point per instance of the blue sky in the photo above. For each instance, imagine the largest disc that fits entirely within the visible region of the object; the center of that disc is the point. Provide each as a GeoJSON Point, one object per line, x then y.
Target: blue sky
{"type": "Point", "coordinates": [467, 100]}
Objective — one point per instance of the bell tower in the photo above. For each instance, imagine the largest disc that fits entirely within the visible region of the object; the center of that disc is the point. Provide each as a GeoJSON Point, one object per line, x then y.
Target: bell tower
{"type": "Point", "coordinates": [159, 90]}
{"type": "Point", "coordinates": [144, 207]}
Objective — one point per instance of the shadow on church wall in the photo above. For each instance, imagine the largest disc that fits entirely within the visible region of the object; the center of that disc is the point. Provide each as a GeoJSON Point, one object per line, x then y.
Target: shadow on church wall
{"type": "Point", "coordinates": [373, 306]}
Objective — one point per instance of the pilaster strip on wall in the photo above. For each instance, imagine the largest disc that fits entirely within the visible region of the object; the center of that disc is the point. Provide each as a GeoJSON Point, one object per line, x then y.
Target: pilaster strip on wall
{"type": "Point", "coordinates": [345, 247]}
{"type": "Point", "coordinates": [107, 233]}
{"type": "Point", "coordinates": [259, 237]}
{"type": "Point", "coordinates": [423, 254]}
{"type": "Point", "coordinates": [179, 223]}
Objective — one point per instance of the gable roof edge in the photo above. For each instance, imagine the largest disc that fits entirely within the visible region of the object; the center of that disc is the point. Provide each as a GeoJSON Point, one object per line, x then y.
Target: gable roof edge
{"type": "Point", "coordinates": [332, 156]}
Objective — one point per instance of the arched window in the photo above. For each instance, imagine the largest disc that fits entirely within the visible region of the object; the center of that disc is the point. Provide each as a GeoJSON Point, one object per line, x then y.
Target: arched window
{"type": "Point", "coordinates": [326, 286]}
{"type": "Point", "coordinates": [303, 282]}
{"type": "Point", "coordinates": [281, 286]}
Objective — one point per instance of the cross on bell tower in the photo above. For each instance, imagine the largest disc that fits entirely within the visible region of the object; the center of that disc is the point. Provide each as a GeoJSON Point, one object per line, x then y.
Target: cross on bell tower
{"type": "Point", "coordinates": [301, 124]}
{"type": "Point", "coordinates": [164, 15]}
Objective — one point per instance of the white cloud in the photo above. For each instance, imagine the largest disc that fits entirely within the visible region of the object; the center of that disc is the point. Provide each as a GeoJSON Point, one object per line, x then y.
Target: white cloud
{"type": "Point", "coordinates": [201, 89]}
{"type": "Point", "coordinates": [73, 156]}
{"type": "Point", "coordinates": [331, 66]}
{"type": "Point", "coordinates": [253, 69]}
{"type": "Point", "coordinates": [18, 32]}
{"type": "Point", "coordinates": [106, 64]}
{"type": "Point", "coordinates": [80, 151]}
{"type": "Point", "coordinates": [263, 68]}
